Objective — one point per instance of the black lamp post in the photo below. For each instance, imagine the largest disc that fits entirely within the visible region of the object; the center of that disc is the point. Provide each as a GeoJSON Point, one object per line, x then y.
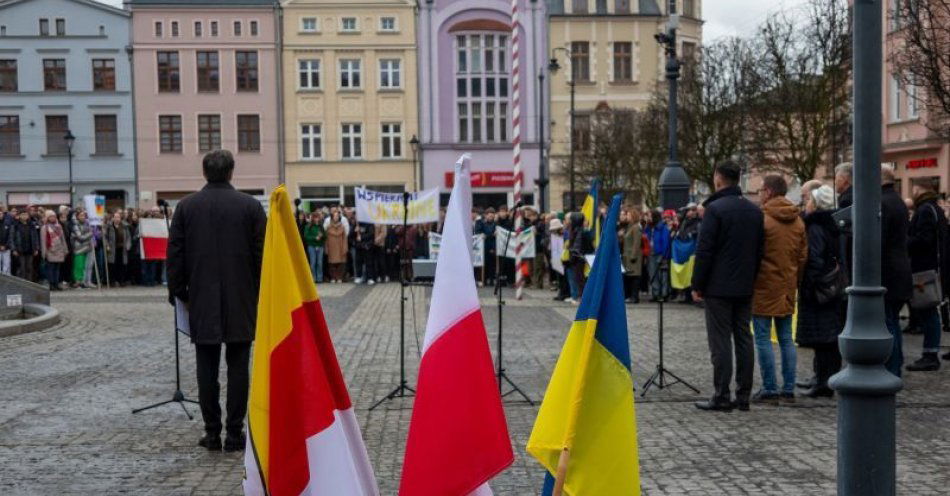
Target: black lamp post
{"type": "Point", "coordinates": [553, 67]}
{"type": "Point", "coordinates": [542, 180]}
{"type": "Point", "coordinates": [414, 144]}
{"type": "Point", "coordinates": [674, 183]}
{"type": "Point", "coordinates": [70, 140]}
{"type": "Point", "coordinates": [866, 390]}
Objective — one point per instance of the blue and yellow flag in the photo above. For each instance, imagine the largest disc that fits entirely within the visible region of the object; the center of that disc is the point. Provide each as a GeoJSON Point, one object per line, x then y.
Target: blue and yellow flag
{"type": "Point", "coordinates": [590, 211]}
{"type": "Point", "coordinates": [682, 261]}
{"type": "Point", "coordinates": [587, 422]}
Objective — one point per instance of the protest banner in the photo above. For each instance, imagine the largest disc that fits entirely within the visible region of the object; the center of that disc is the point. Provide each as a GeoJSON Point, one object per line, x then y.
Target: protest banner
{"type": "Point", "coordinates": [527, 240]}
{"type": "Point", "coordinates": [375, 207]}
{"type": "Point", "coordinates": [557, 246]}
{"type": "Point", "coordinates": [95, 209]}
{"type": "Point", "coordinates": [478, 248]}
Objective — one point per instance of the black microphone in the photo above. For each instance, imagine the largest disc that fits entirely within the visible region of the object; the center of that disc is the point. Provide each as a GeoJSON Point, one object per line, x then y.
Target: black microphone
{"type": "Point", "coordinates": [162, 203]}
{"type": "Point", "coordinates": [518, 205]}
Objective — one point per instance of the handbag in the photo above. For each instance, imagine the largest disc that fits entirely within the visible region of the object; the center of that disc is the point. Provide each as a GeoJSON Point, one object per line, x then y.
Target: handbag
{"type": "Point", "coordinates": [831, 286]}
{"type": "Point", "coordinates": [928, 290]}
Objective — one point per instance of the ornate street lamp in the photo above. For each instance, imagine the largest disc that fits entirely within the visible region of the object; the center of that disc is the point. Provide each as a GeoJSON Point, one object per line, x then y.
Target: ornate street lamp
{"type": "Point", "coordinates": [553, 67]}
{"type": "Point", "coordinates": [674, 183]}
{"type": "Point", "coordinates": [70, 140]}
{"type": "Point", "coordinates": [414, 144]}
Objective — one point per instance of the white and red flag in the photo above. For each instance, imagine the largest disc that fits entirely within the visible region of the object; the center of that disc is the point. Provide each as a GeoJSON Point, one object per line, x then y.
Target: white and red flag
{"type": "Point", "coordinates": [154, 238]}
{"type": "Point", "coordinates": [458, 437]}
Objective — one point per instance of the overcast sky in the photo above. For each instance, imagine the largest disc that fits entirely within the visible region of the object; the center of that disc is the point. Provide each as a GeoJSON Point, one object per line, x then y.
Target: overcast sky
{"type": "Point", "coordinates": [723, 17]}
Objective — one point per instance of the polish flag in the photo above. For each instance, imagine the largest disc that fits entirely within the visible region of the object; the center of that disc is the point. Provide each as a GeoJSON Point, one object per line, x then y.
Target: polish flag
{"type": "Point", "coordinates": [458, 437]}
{"type": "Point", "coordinates": [154, 239]}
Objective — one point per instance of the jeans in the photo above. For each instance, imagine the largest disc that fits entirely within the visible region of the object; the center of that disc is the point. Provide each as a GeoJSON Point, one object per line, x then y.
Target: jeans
{"type": "Point", "coordinates": [763, 348]}
{"type": "Point", "coordinates": [5, 262]}
{"type": "Point", "coordinates": [659, 278]}
{"type": "Point", "coordinates": [52, 273]}
{"type": "Point", "coordinates": [892, 312]}
{"type": "Point", "coordinates": [571, 282]}
{"type": "Point", "coordinates": [315, 254]}
{"type": "Point", "coordinates": [929, 321]}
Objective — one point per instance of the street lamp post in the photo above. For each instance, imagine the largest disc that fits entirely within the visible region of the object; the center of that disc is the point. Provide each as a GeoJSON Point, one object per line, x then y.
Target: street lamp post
{"type": "Point", "coordinates": [866, 391]}
{"type": "Point", "coordinates": [674, 183]}
{"type": "Point", "coordinates": [70, 139]}
{"type": "Point", "coordinates": [542, 180]}
{"type": "Point", "coordinates": [553, 67]}
{"type": "Point", "coordinates": [414, 144]}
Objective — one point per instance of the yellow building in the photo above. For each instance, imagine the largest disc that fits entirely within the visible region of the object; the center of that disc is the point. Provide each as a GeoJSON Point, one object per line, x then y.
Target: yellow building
{"type": "Point", "coordinates": [608, 47]}
{"type": "Point", "coordinates": [349, 97]}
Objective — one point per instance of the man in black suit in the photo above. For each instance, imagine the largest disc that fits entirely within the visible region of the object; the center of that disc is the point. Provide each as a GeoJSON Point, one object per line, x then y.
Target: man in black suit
{"type": "Point", "coordinates": [215, 247]}
{"type": "Point", "coordinates": [895, 264]}
{"type": "Point", "coordinates": [728, 253]}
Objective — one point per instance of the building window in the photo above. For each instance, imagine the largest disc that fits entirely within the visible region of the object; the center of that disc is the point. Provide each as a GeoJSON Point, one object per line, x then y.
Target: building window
{"type": "Point", "coordinates": [253, 28]}
{"type": "Point", "coordinates": [622, 7]}
{"type": "Point", "coordinates": [249, 133]}
{"type": "Point", "coordinates": [175, 29]}
{"type": "Point", "coordinates": [623, 61]}
{"type": "Point", "coordinates": [387, 23]}
{"type": "Point", "coordinates": [214, 28]}
{"type": "Point", "coordinates": [348, 24]}
{"type": "Point", "coordinates": [913, 102]}
{"type": "Point", "coordinates": [237, 28]}
{"type": "Point", "coordinates": [352, 145]}
{"type": "Point", "coordinates": [350, 73]}
{"type": "Point", "coordinates": [209, 132]}
{"type": "Point", "coordinates": [671, 7]}
{"type": "Point", "coordinates": [169, 133]}
{"type": "Point", "coordinates": [580, 60]}
{"type": "Point", "coordinates": [56, 128]}
{"type": "Point", "coordinates": [309, 71]}
{"type": "Point", "coordinates": [44, 27]}
{"type": "Point", "coordinates": [579, 7]}
{"type": "Point", "coordinates": [158, 29]}
{"type": "Point", "coordinates": [103, 74]}
{"type": "Point", "coordinates": [54, 74]}
{"type": "Point", "coordinates": [896, 98]}
{"type": "Point", "coordinates": [9, 135]}
{"type": "Point", "coordinates": [311, 142]}
{"type": "Point", "coordinates": [392, 140]}
{"type": "Point", "coordinates": [581, 138]}
{"type": "Point", "coordinates": [8, 75]}
{"type": "Point", "coordinates": [689, 51]}
{"type": "Point", "coordinates": [481, 88]}
{"type": "Point", "coordinates": [168, 75]}
{"type": "Point", "coordinates": [198, 29]}
{"type": "Point", "coordinates": [246, 70]}
{"type": "Point", "coordinates": [107, 135]}
{"type": "Point", "coordinates": [60, 27]}
{"type": "Point", "coordinates": [208, 72]}
{"type": "Point", "coordinates": [389, 73]}
{"type": "Point", "coordinates": [308, 24]}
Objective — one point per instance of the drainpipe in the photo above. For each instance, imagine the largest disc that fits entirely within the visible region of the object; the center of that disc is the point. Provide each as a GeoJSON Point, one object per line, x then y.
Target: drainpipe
{"type": "Point", "coordinates": [135, 140]}
{"type": "Point", "coordinates": [281, 162]}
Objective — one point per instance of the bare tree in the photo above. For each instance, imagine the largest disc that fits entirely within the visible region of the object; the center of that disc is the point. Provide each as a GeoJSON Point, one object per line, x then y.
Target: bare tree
{"type": "Point", "coordinates": [922, 58]}
{"type": "Point", "coordinates": [800, 90]}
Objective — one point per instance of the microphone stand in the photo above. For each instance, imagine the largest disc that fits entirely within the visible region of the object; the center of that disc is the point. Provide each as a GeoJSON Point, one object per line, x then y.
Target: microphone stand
{"type": "Point", "coordinates": [499, 290]}
{"type": "Point", "coordinates": [178, 396]}
{"type": "Point", "coordinates": [403, 388]}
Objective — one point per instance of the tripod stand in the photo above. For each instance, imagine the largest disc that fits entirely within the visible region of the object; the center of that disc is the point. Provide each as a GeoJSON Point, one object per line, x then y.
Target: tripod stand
{"type": "Point", "coordinates": [178, 396]}
{"type": "Point", "coordinates": [499, 290]}
{"type": "Point", "coordinates": [659, 377]}
{"type": "Point", "coordinates": [403, 388]}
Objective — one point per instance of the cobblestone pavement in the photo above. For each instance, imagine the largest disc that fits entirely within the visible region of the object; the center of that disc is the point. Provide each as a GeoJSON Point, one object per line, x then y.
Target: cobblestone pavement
{"type": "Point", "coordinates": [66, 426]}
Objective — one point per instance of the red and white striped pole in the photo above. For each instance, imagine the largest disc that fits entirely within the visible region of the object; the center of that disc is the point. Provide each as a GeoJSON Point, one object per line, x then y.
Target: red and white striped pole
{"type": "Point", "coordinates": [516, 140]}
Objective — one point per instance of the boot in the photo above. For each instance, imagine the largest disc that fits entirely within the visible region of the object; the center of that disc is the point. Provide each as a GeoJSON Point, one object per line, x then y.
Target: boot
{"type": "Point", "coordinates": [927, 363]}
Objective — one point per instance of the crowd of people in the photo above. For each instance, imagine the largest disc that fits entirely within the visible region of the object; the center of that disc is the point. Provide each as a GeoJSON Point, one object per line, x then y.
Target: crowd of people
{"type": "Point", "coordinates": [60, 248]}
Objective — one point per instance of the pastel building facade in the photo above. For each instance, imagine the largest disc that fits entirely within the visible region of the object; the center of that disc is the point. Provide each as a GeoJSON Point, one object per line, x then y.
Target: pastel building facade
{"type": "Point", "coordinates": [465, 88]}
{"type": "Point", "coordinates": [64, 68]}
{"type": "Point", "coordinates": [608, 48]}
{"type": "Point", "coordinates": [350, 98]}
{"type": "Point", "coordinates": [206, 77]}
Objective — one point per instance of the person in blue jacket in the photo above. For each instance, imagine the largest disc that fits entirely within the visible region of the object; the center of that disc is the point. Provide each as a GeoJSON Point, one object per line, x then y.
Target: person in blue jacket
{"type": "Point", "coordinates": [658, 232]}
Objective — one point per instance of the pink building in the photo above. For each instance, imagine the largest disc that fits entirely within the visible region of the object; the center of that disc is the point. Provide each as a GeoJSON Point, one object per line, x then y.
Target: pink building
{"type": "Point", "coordinates": [205, 77]}
{"type": "Point", "coordinates": [913, 149]}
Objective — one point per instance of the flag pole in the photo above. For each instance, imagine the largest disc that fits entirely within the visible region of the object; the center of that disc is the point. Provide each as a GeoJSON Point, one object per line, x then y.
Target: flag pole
{"type": "Point", "coordinates": [516, 142]}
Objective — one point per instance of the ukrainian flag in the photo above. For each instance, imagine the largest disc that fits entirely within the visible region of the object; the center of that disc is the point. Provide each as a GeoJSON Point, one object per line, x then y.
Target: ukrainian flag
{"type": "Point", "coordinates": [590, 210]}
{"type": "Point", "coordinates": [586, 428]}
{"type": "Point", "coordinates": [681, 265]}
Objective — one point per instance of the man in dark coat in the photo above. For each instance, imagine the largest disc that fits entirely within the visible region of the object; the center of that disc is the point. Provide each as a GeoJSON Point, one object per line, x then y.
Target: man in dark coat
{"type": "Point", "coordinates": [895, 264]}
{"type": "Point", "coordinates": [730, 248]}
{"type": "Point", "coordinates": [215, 247]}
{"type": "Point", "coordinates": [927, 238]}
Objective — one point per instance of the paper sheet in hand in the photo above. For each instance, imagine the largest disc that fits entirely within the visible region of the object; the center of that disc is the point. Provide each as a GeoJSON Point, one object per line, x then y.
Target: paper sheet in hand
{"type": "Point", "coordinates": [181, 318]}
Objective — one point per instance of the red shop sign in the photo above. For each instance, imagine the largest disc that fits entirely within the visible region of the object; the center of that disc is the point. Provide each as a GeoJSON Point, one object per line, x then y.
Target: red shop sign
{"type": "Point", "coordinates": [485, 179]}
{"type": "Point", "coordinates": [924, 163]}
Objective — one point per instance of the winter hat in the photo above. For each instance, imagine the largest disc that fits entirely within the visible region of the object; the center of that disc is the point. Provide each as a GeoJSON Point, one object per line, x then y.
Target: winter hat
{"type": "Point", "coordinates": [555, 224]}
{"type": "Point", "coordinates": [824, 197]}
